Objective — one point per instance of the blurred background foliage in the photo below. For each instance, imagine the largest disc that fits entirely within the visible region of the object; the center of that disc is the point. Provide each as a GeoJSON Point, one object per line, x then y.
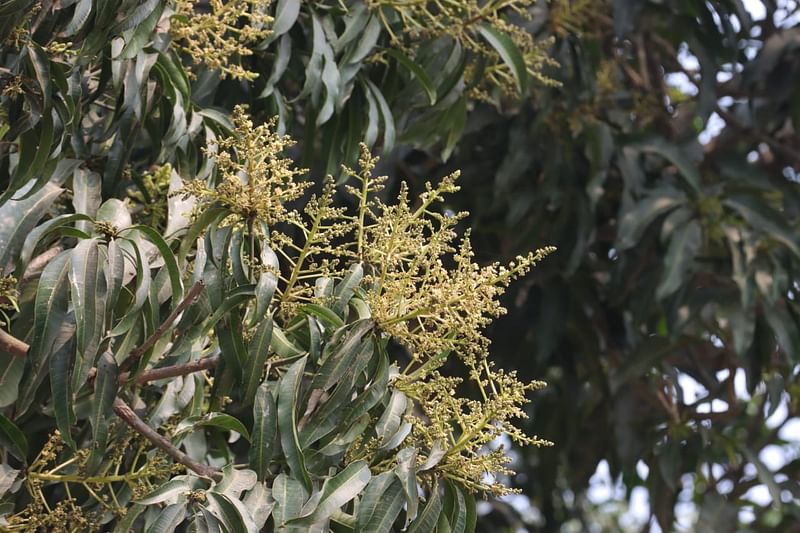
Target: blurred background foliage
{"type": "Point", "coordinates": [664, 168]}
{"type": "Point", "coordinates": [655, 144]}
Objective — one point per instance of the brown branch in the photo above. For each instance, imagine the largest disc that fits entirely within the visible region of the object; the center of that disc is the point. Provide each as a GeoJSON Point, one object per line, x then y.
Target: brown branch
{"type": "Point", "coordinates": [37, 264]}
{"type": "Point", "coordinates": [12, 345]}
{"type": "Point", "coordinates": [137, 353]}
{"type": "Point", "coordinates": [173, 371]}
{"type": "Point", "coordinates": [138, 425]}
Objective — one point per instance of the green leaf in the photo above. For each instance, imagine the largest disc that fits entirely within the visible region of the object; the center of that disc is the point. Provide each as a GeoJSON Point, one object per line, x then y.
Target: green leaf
{"type": "Point", "coordinates": [234, 519]}
{"type": "Point", "coordinates": [286, 12]}
{"type": "Point", "coordinates": [417, 71]}
{"type": "Point", "coordinates": [83, 9]}
{"type": "Point", "coordinates": [289, 495]}
{"type": "Point", "coordinates": [389, 133]}
{"type": "Point", "coordinates": [635, 220]}
{"type": "Point", "coordinates": [217, 420]}
{"type": "Point", "coordinates": [336, 409]}
{"type": "Point", "coordinates": [509, 53]}
{"type": "Point", "coordinates": [105, 391]}
{"type": "Point", "coordinates": [288, 396]}
{"type": "Point", "coordinates": [49, 323]}
{"type": "Point", "coordinates": [61, 389]}
{"type": "Point", "coordinates": [88, 284]}
{"type": "Point", "coordinates": [430, 514]}
{"type": "Point", "coordinates": [168, 491]}
{"type": "Point", "coordinates": [346, 288]}
{"type": "Point", "coordinates": [125, 525]}
{"type": "Point", "coordinates": [406, 472]}
{"type": "Point", "coordinates": [324, 314]}
{"type": "Point", "coordinates": [392, 417]}
{"type": "Point", "coordinates": [281, 345]}
{"type": "Point", "coordinates": [18, 218]}
{"type": "Point", "coordinates": [673, 153]}
{"type": "Point", "coordinates": [267, 283]}
{"type": "Point", "coordinates": [168, 519]}
{"type": "Point", "coordinates": [257, 354]}
{"type": "Point", "coordinates": [455, 507]}
{"type": "Point", "coordinates": [169, 261]}
{"type": "Point", "coordinates": [336, 492]}
{"type": "Point", "coordinates": [11, 370]}
{"type": "Point", "coordinates": [761, 216]}
{"type": "Point", "coordinates": [265, 431]}
{"type": "Point", "coordinates": [683, 248]}
{"type": "Point", "coordinates": [380, 505]}
{"type": "Point", "coordinates": [13, 439]}
{"type": "Point", "coordinates": [336, 363]}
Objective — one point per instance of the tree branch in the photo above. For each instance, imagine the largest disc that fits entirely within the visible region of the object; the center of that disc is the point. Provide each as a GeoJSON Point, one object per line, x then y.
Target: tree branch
{"type": "Point", "coordinates": [173, 371]}
{"type": "Point", "coordinates": [127, 415]}
{"type": "Point", "coordinates": [137, 353]}
{"type": "Point", "coordinates": [37, 264]}
{"type": "Point", "coordinates": [12, 345]}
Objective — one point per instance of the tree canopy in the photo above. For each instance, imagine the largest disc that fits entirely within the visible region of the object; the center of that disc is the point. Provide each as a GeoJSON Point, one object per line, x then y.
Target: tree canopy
{"type": "Point", "coordinates": [202, 331]}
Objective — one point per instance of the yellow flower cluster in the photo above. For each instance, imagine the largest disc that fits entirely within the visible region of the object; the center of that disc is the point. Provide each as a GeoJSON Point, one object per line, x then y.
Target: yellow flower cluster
{"type": "Point", "coordinates": [420, 282]}
{"type": "Point", "coordinates": [256, 182]}
{"type": "Point", "coordinates": [224, 31]}
{"type": "Point", "coordinates": [461, 20]}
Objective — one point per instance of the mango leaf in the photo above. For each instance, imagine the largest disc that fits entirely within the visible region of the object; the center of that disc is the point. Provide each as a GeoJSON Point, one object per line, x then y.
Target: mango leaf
{"type": "Point", "coordinates": [257, 354]}
{"type": "Point", "coordinates": [508, 52]}
{"type": "Point", "coordinates": [125, 525]}
{"type": "Point", "coordinates": [232, 517]}
{"type": "Point", "coordinates": [281, 345]}
{"type": "Point", "coordinates": [336, 492]}
{"type": "Point", "coordinates": [429, 516]}
{"type": "Point", "coordinates": [217, 420]}
{"type": "Point", "coordinates": [380, 504]}
{"type": "Point", "coordinates": [83, 9]}
{"type": "Point", "coordinates": [168, 519]}
{"type": "Point", "coordinates": [456, 508]}
{"type": "Point", "coordinates": [346, 288]}
{"type": "Point", "coordinates": [288, 397]}
{"type": "Point", "coordinates": [686, 167]}
{"type": "Point", "coordinates": [11, 370]}
{"type": "Point", "coordinates": [337, 363]}
{"type": "Point", "coordinates": [417, 71]}
{"type": "Point", "coordinates": [265, 431]}
{"type": "Point", "coordinates": [169, 260]}
{"type": "Point", "coordinates": [635, 220]}
{"type": "Point", "coordinates": [389, 132]}
{"type": "Point", "coordinates": [392, 417]}
{"type": "Point", "coordinates": [289, 495]}
{"type": "Point", "coordinates": [19, 217]}
{"type": "Point", "coordinates": [105, 391]}
{"type": "Point", "coordinates": [50, 321]}
{"type": "Point", "coordinates": [324, 314]}
{"type": "Point", "coordinates": [61, 389]}
{"type": "Point", "coordinates": [171, 491]}
{"type": "Point", "coordinates": [89, 290]}
{"type": "Point", "coordinates": [8, 476]}
{"type": "Point", "coordinates": [406, 472]}
{"type": "Point", "coordinates": [683, 248]}
{"type": "Point", "coordinates": [13, 439]}
{"type": "Point", "coordinates": [762, 217]}
{"type": "Point", "coordinates": [286, 12]}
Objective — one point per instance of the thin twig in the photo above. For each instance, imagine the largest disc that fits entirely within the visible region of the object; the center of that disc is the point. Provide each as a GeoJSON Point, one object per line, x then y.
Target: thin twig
{"type": "Point", "coordinates": [173, 371]}
{"type": "Point", "coordinates": [12, 345]}
{"type": "Point", "coordinates": [137, 353]}
{"type": "Point", "coordinates": [127, 415]}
